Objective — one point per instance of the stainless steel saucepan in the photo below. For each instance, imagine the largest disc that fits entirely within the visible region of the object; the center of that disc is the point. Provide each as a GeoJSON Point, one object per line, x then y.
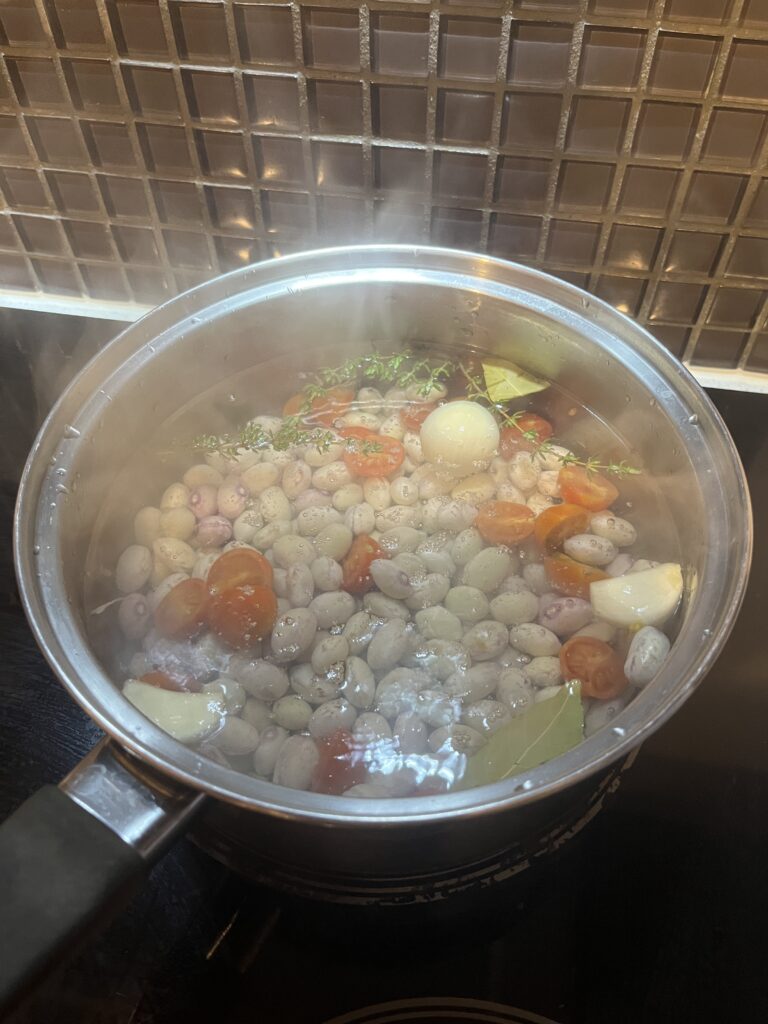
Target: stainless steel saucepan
{"type": "Point", "coordinates": [186, 368]}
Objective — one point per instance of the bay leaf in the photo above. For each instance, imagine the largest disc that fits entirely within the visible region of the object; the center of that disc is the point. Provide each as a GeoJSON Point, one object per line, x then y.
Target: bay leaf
{"type": "Point", "coordinates": [547, 730]}
{"type": "Point", "coordinates": [508, 381]}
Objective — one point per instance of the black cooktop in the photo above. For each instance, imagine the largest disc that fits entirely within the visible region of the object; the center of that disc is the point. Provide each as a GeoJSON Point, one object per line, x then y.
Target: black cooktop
{"type": "Point", "coordinates": [654, 913]}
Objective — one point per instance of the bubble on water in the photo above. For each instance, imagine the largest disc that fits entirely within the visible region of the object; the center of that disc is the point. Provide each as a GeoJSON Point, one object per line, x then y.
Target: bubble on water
{"type": "Point", "coordinates": [70, 431]}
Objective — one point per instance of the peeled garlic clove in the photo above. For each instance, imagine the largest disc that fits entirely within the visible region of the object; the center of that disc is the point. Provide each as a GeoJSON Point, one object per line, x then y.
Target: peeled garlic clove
{"type": "Point", "coordinates": [645, 598]}
{"type": "Point", "coordinates": [187, 717]}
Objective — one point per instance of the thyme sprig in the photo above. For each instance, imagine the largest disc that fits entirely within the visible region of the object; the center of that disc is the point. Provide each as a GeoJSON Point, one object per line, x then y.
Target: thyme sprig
{"type": "Point", "coordinates": [290, 434]}
{"type": "Point", "coordinates": [399, 369]}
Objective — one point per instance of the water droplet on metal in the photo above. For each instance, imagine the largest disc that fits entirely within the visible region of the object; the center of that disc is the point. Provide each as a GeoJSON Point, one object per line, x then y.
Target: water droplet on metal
{"type": "Point", "coordinates": [527, 784]}
{"type": "Point", "coordinates": [70, 431]}
{"type": "Point", "coordinates": [232, 398]}
{"type": "Point", "coordinates": [693, 418]}
{"type": "Point", "coordinates": [619, 730]}
{"type": "Point", "coordinates": [706, 633]}
{"type": "Point", "coordinates": [36, 549]}
{"type": "Point", "coordinates": [61, 489]}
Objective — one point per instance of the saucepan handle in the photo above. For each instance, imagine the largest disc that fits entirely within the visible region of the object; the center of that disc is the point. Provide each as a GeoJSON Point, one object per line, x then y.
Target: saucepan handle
{"type": "Point", "coordinates": [72, 855]}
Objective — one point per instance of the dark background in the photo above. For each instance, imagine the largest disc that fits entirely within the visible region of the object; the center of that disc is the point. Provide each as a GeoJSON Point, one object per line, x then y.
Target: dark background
{"type": "Point", "coordinates": [654, 913]}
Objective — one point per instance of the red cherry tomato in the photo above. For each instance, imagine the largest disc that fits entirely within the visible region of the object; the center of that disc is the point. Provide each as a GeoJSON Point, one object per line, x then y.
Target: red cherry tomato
{"type": "Point", "coordinates": [571, 577]}
{"type": "Point", "coordinates": [356, 566]}
{"type": "Point", "coordinates": [181, 613]}
{"type": "Point", "coordinates": [239, 566]}
{"type": "Point", "coordinates": [357, 432]}
{"type": "Point", "coordinates": [341, 764]}
{"type": "Point", "coordinates": [559, 522]}
{"type": "Point", "coordinates": [383, 462]}
{"type": "Point", "coordinates": [595, 664]}
{"type": "Point", "coordinates": [504, 522]}
{"type": "Point", "coordinates": [513, 438]}
{"type": "Point", "coordinates": [413, 414]}
{"type": "Point", "coordinates": [584, 487]}
{"type": "Point", "coordinates": [242, 615]}
{"type": "Point", "coordinates": [325, 410]}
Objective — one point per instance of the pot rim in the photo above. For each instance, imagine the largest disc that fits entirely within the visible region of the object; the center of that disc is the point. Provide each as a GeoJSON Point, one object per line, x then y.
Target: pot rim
{"type": "Point", "coordinates": [713, 611]}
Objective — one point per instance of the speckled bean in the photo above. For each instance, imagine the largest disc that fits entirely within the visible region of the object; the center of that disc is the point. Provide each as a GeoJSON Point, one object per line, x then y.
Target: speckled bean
{"type": "Point", "coordinates": [604, 631]}
{"type": "Point", "coordinates": [332, 477]}
{"type": "Point", "coordinates": [486, 640]}
{"type": "Point", "coordinates": [361, 418]}
{"type": "Point", "coordinates": [437, 623]}
{"type": "Point", "coordinates": [235, 736]}
{"type": "Point", "coordinates": [513, 609]}
{"type": "Point", "coordinates": [244, 528]}
{"type": "Point", "coordinates": [390, 579]}
{"type": "Point", "coordinates": [268, 748]}
{"type": "Point", "coordinates": [487, 569]}
{"type": "Point", "coordinates": [133, 569]}
{"type": "Point", "coordinates": [621, 564]}
{"type": "Point", "coordinates": [467, 544]}
{"type": "Point", "coordinates": [359, 631]}
{"type": "Point", "coordinates": [311, 521]}
{"type": "Point", "coordinates": [410, 733]}
{"type": "Point", "coordinates": [474, 489]}
{"type": "Point", "coordinates": [173, 555]}
{"type": "Point", "coordinates": [543, 672]}
{"type": "Point", "coordinates": [538, 502]}
{"type": "Point", "coordinates": [316, 458]}
{"type": "Point", "coordinates": [524, 471]}
{"type": "Point", "coordinates": [292, 712]}
{"type": "Point", "coordinates": [346, 497]}
{"type": "Point", "coordinates": [297, 477]}
{"type": "Point", "coordinates": [456, 516]}
{"type": "Point", "coordinates": [486, 716]}
{"type": "Point", "coordinates": [371, 727]}
{"type": "Point", "coordinates": [388, 645]}
{"type": "Point", "coordinates": [441, 658]}
{"type": "Point", "coordinates": [331, 651]}
{"type": "Point", "coordinates": [549, 484]}
{"type": "Point", "coordinates": [508, 492]}
{"type": "Point", "coordinates": [293, 550]}
{"type": "Point", "coordinates": [412, 445]}
{"type": "Point", "coordinates": [462, 739]}
{"type": "Point", "coordinates": [433, 482]}
{"type": "Point", "coordinates": [231, 499]}
{"type": "Point", "coordinates": [260, 477]}
{"type": "Point", "coordinates": [329, 718]}
{"type": "Point", "coordinates": [533, 639]}
{"type": "Point", "coordinates": [401, 539]}
{"type": "Point", "coordinates": [293, 633]}
{"type": "Point", "coordinates": [376, 493]}
{"type": "Point", "coordinates": [468, 603]}
{"type": "Point", "coordinates": [360, 518]}
{"type": "Point", "coordinates": [564, 615]}
{"type": "Point", "coordinates": [299, 585]}
{"type": "Point", "coordinates": [326, 573]}
{"type": "Point", "coordinates": [647, 653]}
{"type": "Point", "coordinates": [436, 708]}
{"type": "Point", "coordinates": [258, 677]}
{"type": "Point", "coordinates": [359, 685]}
{"type": "Point", "coordinates": [618, 531]}
{"type": "Point", "coordinates": [257, 712]}
{"type": "Point", "coordinates": [312, 498]}
{"type": "Point", "coordinates": [274, 505]}
{"type": "Point", "coordinates": [314, 689]}
{"type": "Point", "coordinates": [404, 491]}
{"type": "Point", "coordinates": [264, 538]}
{"type": "Point", "coordinates": [333, 609]}
{"type": "Point", "coordinates": [428, 590]}
{"type": "Point", "coordinates": [515, 690]}
{"type": "Point", "coordinates": [334, 540]}
{"type": "Point", "coordinates": [234, 693]}
{"type": "Point", "coordinates": [590, 549]}
{"type": "Point", "coordinates": [175, 496]}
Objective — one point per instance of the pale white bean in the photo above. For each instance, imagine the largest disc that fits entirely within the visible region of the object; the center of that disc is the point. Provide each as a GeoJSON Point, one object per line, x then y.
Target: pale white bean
{"type": "Point", "coordinates": [474, 489]}
{"type": "Point", "coordinates": [247, 523]}
{"type": "Point", "coordinates": [641, 565]}
{"type": "Point", "coordinates": [234, 693]}
{"type": "Point", "coordinates": [371, 727]}
{"type": "Point", "coordinates": [467, 544]}
{"type": "Point", "coordinates": [486, 716]}
{"type": "Point", "coordinates": [232, 498]}
{"type": "Point", "coordinates": [133, 569]}
{"type": "Point", "coordinates": [409, 562]}
{"type": "Point", "coordinates": [487, 569]}
{"type": "Point", "coordinates": [326, 573]}
{"type": "Point", "coordinates": [544, 672]}
{"type": "Point", "coordinates": [384, 607]}
{"type": "Point", "coordinates": [602, 713]}
{"type": "Point", "coordinates": [334, 540]}
{"type": "Point", "coordinates": [274, 505]}
{"type": "Point", "coordinates": [311, 521]}
{"type": "Point", "coordinates": [515, 690]}
{"type": "Point", "coordinates": [549, 484]}
{"type": "Point", "coordinates": [404, 491]}
{"type": "Point", "coordinates": [391, 426]}
{"type": "Point", "coordinates": [172, 555]}
{"type": "Point", "coordinates": [410, 733]}
{"type": "Point", "coordinates": [456, 516]}
{"type": "Point", "coordinates": [376, 493]}
{"type": "Point", "coordinates": [419, 392]}
{"type": "Point", "coordinates": [360, 518]}
{"type": "Point", "coordinates": [330, 651]}
{"type": "Point", "coordinates": [486, 640]}
{"type": "Point", "coordinates": [257, 479]}
{"type": "Point", "coordinates": [437, 561]}
{"type": "Point", "coordinates": [361, 418]}
{"type": "Point", "coordinates": [175, 496]}
{"type": "Point", "coordinates": [515, 608]}
{"type": "Point", "coordinates": [258, 677]}
{"type": "Point", "coordinates": [524, 471]}
{"type": "Point", "coordinates": [292, 712]}
{"type": "Point", "coordinates": [332, 477]}
{"type": "Point", "coordinates": [396, 516]}
{"type": "Point", "coordinates": [296, 763]}
{"type": "Point", "coordinates": [618, 531]}
{"type": "Point", "coordinates": [316, 458]}
{"type": "Point", "coordinates": [359, 685]}
{"type": "Point", "coordinates": [436, 708]}
{"type": "Point", "coordinates": [156, 596]}
{"type": "Point", "coordinates": [201, 474]}
{"type": "Point", "coordinates": [312, 498]}
{"type": "Point", "coordinates": [508, 492]}
{"type": "Point", "coordinates": [330, 717]}
{"type": "Point", "coordinates": [513, 584]}
{"type": "Point", "coordinates": [401, 539]}
{"type": "Point", "coordinates": [430, 511]}
{"type": "Point", "coordinates": [292, 550]}
{"type": "Point", "coordinates": [235, 736]}
{"type": "Point", "coordinates": [590, 549]}
{"type": "Point", "coordinates": [604, 631]}
{"type": "Point", "coordinates": [257, 712]}
{"type": "Point", "coordinates": [474, 683]}
{"type": "Point", "coordinates": [467, 603]}
{"type": "Point", "coordinates": [293, 633]}
{"type": "Point", "coordinates": [371, 399]}
{"type": "Point", "coordinates": [437, 623]}
{"type": "Point", "coordinates": [133, 616]}
{"type": "Point", "coordinates": [412, 445]}
{"type": "Point", "coordinates": [297, 477]}
{"type": "Point", "coordinates": [621, 564]}
{"type": "Point", "coordinates": [460, 739]}
{"type": "Point", "coordinates": [146, 526]}
{"type": "Point", "coordinates": [314, 689]}
{"type": "Point", "coordinates": [552, 457]}
{"type": "Point", "coordinates": [283, 605]}
{"type": "Point", "coordinates": [546, 693]}
{"type": "Point", "coordinates": [647, 653]}
{"type": "Point", "coordinates": [390, 579]}
{"type": "Point", "coordinates": [428, 590]}
{"type": "Point", "coordinates": [267, 535]}
{"type": "Point", "coordinates": [433, 482]}
{"type": "Point", "coordinates": [397, 695]}
{"type": "Point", "coordinates": [388, 645]}
{"type": "Point", "coordinates": [538, 502]}
{"type": "Point", "coordinates": [347, 496]}
{"type": "Point", "coordinates": [535, 576]}
{"type": "Point", "coordinates": [359, 631]}
{"type": "Point", "coordinates": [533, 639]}
{"type": "Point", "coordinates": [333, 609]}
{"type": "Point", "coordinates": [441, 658]}
{"type": "Point", "coordinates": [177, 522]}
{"type": "Point", "coordinates": [299, 585]}
{"type": "Point", "coordinates": [564, 615]}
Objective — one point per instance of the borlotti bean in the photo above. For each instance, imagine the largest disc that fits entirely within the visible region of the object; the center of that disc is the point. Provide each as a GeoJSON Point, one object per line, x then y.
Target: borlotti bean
{"type": "Point", "coordinates": [360, 615]}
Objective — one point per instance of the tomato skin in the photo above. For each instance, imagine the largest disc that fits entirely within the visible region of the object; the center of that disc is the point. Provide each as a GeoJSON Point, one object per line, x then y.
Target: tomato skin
{"type": "Point", "coordinates": [504, 522]}
{"type": "Point", "coordinates": [341, 764]}
{"type": "Point", "coordinates": [242, 615]}
{"type": "Point", "coordinates": [358, 432]}
{"type": "Point", "coordinates": [162, 681]}
{"type": "Point", "coordinates": [325, 410]}
{"type": "Point", "coordinates": [413, 414]}
{"type": "Point", "coordinates": [380, 463]}
{"type": "Point", "coordinates": [596, 665]}
{"type": "Point", "coordinates": [237, 567]}
{"type": "Point", "coordinates": [182, 612]}
{"type": "Point", "coordinates": [356, 566]}
{"type": "Point", "coordinates": [571, 577]}
{"type": "Point", "coordinates": [591, 490]}
{"type": "Point", "coordinates": [557, 523]}
{"type": "Point", "coordinates": [513, 439]}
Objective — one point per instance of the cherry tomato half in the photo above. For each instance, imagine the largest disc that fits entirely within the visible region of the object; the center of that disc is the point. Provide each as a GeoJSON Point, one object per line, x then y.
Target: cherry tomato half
{"type": "Point", "coordinates": [513, 438]}
{"type": "Point", "coordinates": [413, 414]}
{"type": "Point", "coordinates": [356, 566]}
{"type": "Point", "coordinates": [325, 410]}
{"type": "Point", "coordinates": [383, 462]}
{"type": "Point", "coordinates": [584, 487]}
{"type": "Point", "coordinates": [571, 577]}
{"type": "Point", "coordinates": [357, 432]}
{"type": "Point", "coordinates": [239, 566]}
{"type": "Point", "coordinates": [596, 665]}
{"type": "Point", "coordinates": [242, 615]}
{"type": "Point", "coordinates": [504, 522]}
{"type": "Point", "coordinates": [181, 613]}
{"type": "Point", "coordinates": [341, 764]}
{"type": "Point", "coordinates": [559, 522]}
